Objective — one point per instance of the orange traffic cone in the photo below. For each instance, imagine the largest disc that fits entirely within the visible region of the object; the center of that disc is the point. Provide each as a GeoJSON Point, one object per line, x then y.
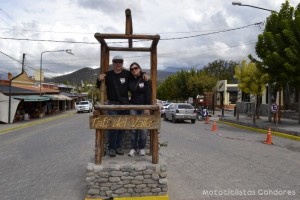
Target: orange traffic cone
{"type": "Point", "coordinates": [214, 126]}
{"type": "Point", "coordinates": [207, 120]}
{"type": "Point", "coordinates": [269, 137]}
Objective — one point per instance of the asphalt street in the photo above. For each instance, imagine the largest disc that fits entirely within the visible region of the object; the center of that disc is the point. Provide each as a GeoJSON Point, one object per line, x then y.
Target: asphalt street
{"type": "Point", "coordinates": [229, 163]}
{"type": "Point", "coordinates": [48, 161]}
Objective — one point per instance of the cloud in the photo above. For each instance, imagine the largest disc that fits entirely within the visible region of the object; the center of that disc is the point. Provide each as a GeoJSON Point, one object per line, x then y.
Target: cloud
{"type": "Point", "coordinates": [77, 21]}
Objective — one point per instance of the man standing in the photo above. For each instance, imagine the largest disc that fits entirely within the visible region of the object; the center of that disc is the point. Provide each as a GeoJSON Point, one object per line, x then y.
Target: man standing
{"type": "Point", "coordinates": [116, 81]}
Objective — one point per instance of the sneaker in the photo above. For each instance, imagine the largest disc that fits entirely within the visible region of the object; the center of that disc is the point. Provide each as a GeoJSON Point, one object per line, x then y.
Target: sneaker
{"type": "Point", "coordinates": [111, 153]}
{"type": "Point", "coordinates": [120, 151]}
{"type": "Point", "coordinates": [131, 153]}
{"type": "Point", "coordinates": [142, 152]}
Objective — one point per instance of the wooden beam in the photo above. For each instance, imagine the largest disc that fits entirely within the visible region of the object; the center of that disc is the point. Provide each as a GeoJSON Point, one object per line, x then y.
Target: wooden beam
{"type": "Point", "coordinates": [128, 28]}
{"type": "Point", "coordinates": [142, 49]}
{"type": "Point", "coordinates": [126, 107]}
{"type": "Point", "coordinates": [154, 43]}
{"type": "Point", "coordinates": [102, 41]}
{"type": "Point", "coordinates": [100, 36]}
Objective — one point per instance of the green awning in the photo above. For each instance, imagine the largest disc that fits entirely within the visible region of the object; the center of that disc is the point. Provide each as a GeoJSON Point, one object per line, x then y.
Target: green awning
{"type": "Point", "coordinates": [31, 98]}
{"type": "Point", "coordinates": [58, 97]}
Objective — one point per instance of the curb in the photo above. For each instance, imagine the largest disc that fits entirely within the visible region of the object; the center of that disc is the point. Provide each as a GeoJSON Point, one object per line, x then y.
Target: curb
{"type": "Point", "coordinates": [164, 197]}
{"type": "Point", "coordinates": [260, 130]}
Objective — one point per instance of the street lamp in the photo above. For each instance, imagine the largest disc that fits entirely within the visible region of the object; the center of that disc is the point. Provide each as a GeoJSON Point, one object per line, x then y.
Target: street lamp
{"type": "Point", "coordinates": [69, 51]}
{"type": "Point", "coordinates": [237, 3]}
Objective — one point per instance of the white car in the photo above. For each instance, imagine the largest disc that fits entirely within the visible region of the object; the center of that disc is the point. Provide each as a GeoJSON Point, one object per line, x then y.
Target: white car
{"type": "Point", "coordinates": [180, 112]}
{"type": "Point", "coordinates": [84, 106]}
{"type": "Point", "coordinates": [76, 104]}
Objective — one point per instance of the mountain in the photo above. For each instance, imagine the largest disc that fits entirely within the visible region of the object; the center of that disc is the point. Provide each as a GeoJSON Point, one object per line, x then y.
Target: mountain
{"type": "Point", "coordinates": [88, 74]}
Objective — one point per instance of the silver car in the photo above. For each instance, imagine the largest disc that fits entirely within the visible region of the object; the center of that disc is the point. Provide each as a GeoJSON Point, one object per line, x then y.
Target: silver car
{"type": "Point", "coordinates": [163, 109]}
{"type": "Point", "coordinates": [179, 112]}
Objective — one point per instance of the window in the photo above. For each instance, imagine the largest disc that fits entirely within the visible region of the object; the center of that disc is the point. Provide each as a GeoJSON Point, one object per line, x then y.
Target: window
{"type": "Point", "coordinates": [185, 106]}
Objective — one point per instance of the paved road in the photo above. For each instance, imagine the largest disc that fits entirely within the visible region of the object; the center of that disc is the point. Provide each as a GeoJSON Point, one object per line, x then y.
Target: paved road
{"type": "Point", "coordinates": [48, 161]}
{"type": "Point", "coordinates": [229, 160]}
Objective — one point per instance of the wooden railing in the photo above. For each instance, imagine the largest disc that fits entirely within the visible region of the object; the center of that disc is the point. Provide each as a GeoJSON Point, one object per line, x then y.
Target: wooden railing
{"type": "Point", "coordinates": [101, 122]}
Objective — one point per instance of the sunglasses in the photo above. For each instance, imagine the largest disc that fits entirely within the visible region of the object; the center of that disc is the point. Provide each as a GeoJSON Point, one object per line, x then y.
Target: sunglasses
{"type": "Point", "coordinates": [134, 68]}
{"type": "Point", "coordinates": [118, 61]}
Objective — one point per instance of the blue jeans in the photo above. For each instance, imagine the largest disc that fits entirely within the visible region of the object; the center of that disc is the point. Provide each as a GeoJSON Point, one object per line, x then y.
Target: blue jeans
{"type": "Point", "coordinates": [116, 136]}
{"type": "Point", "coordinates": [139, 136]}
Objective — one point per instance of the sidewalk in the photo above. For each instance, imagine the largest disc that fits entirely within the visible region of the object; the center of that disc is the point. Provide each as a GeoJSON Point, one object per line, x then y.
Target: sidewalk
{"type": "Point", "coordinates": [286, 126]}
{"type": "Point", "coordinates": [21, 124]}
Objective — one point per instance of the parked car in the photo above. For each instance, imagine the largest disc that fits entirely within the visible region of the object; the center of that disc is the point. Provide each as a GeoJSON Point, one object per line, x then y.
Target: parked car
{"type": "Point", "coordinates": [163, 109]}
{"type": "Point", "coordinates": [76, 104]}
{"type": "Point", "coordinates": [179, 112]}
{"type": "Point", "coordinates": [84, 106]}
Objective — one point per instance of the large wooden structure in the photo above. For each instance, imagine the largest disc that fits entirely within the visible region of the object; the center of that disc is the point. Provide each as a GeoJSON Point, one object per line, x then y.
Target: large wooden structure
{"type": "Point", "coordinates": [102, 122]}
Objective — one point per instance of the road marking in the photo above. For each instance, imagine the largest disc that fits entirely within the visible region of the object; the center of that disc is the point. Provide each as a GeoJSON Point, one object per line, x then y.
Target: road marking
{"type": "Point", "coordinates": [5, 131]}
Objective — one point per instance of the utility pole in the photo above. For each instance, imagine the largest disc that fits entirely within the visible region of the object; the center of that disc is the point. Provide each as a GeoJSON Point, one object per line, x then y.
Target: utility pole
{"type": "Point", "coordinates": [9, 98]}
{"type": "Point", "coordinates": [23, 61]}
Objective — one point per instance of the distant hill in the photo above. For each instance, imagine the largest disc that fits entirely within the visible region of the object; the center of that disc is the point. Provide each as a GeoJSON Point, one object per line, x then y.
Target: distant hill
{"type": "Point", "coordinates": [88, 74]}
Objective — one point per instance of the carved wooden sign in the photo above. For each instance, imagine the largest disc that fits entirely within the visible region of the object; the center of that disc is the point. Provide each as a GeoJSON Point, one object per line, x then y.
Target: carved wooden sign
{"type": "Point", "coordinates": [125, 122]}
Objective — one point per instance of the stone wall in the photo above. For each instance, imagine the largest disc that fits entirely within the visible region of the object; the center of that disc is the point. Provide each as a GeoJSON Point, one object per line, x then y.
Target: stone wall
{"type": "Point", "coordinates": [125, 176]}
{"type": "Point", "coordinates": [127, 140]}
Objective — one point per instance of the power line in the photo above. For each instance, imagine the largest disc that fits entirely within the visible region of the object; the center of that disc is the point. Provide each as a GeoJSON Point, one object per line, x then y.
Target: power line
{"type": "Point", "coordinates": [73, 32]}
{"type": "Point", "coordinates": [174, 38]}
{"type": "Point", "coordinates": [215, 32]}
{"type": "Point", "coordinates": [141, 56]}
{"type": "Point", "coordinates": [37, 40]}
{"type": "Point", "coordinates": [28, 30]}
{"type": "Point", "coordinates": [17, 61]}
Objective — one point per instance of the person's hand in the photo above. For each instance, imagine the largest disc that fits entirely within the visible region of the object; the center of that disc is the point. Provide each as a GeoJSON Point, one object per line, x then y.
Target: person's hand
{"type": "Point", "coordinates": [102, 77]}
{"type": "Point", "coordinates": [146, 77]}
{"type": "Point", "coordinates": [146, 112]}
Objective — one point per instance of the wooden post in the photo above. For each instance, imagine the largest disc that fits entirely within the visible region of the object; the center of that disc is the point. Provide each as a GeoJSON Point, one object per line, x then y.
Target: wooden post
{"type": "Point", "coordinates": [155, 147]}
{"type": "Point", "coordinates": [151, 142]}
{"type": "Point", "coordinates": [154, 72]}
{"type": "Point", "coordinates": [105, 50]}
{"type": "Point", "coordinates": [128, 28]}
{"type": "Point", "coordinates": [102, 142]}
{"type": "Point", "coordinates": [98, 153]}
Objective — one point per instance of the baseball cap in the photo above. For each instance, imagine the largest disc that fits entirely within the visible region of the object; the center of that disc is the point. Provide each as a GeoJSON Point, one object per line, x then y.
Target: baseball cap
{"type": "Point", "coordinates": [117, 57]}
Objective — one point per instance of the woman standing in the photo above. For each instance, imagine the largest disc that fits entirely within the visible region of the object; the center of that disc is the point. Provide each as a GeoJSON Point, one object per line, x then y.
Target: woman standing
{"type": "Point", "coordinates": [140, 95]}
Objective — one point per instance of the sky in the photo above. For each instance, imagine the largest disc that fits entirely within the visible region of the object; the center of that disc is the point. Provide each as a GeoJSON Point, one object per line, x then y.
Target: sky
{"type": "Point", "coordinates": [192, 33]}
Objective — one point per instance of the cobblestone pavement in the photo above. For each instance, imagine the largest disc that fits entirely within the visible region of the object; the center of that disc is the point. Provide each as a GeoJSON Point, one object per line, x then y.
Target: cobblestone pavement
{"type": "Point", "coordinates": [46, 161]}
{"type": "Point", "coordinates": [230, 163]}
{"type": "Point", "coordinates": [36, 163]}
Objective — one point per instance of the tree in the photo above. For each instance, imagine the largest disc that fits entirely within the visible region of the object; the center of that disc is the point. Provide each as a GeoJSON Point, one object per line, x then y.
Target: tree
{"type": "Point", "coordinates": [66, 82]}
{"type": "Point", "coordinates": [252, 81]}
{"type": "Point", "coordinates": [200, 82]}
{"type": "Point", "coordinates": [167, 90]}
{"type": "Point", "coordinates": [292, 32]}
{"type": "Point", "coordinates": [221, 69]}
{"type": "Point", "coordinates": [185, 84]}
{"type": "Point", "coordinates": [278, 48]}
